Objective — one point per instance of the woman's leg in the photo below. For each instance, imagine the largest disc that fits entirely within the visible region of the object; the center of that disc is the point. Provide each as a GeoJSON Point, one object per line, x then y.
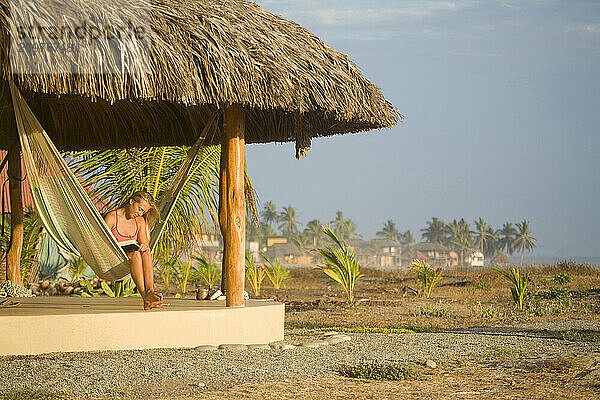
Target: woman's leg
{"type": "Point", "coordinates": [137, 270]}
{"type": "Point", "coordinates": [146, 260]}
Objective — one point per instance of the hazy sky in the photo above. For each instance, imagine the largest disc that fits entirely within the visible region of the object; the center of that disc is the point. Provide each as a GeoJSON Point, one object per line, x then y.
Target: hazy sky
{"type": "Point", "coordinates": [502, 106]}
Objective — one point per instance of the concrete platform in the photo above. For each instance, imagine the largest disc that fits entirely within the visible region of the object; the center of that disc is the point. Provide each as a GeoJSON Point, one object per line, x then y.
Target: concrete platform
{"type": "Point", "coordinates": [62, 324]}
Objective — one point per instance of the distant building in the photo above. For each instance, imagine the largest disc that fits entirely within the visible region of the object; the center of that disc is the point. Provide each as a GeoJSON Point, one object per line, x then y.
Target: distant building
{"type": "Point", "coordinates": [388, 253]}
{"type": "Point", "coordinates": [377, 253]}
{"type": "Point", "coordinates": [435, 254]}
{"type": "Point", "coordinates": [364, 253]}
{"type": "Point", "coordinates": [276, 239]}
{"type": "Point", "coordinates": [211, 246]}
{"type": "Point", "coordinates": [475, 259]}
{"type": "Point", "coordinates": [289, 253]}
{"type": "Point", "coordinates": [500, 259]}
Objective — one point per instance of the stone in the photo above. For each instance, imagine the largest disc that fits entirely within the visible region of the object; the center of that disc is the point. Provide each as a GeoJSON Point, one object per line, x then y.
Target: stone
{"type": "Point", "coordinates": [336, 339]}
{"type": "Point", "coordinates": [282, 346]}
{"type": "Point", "coordinates": [430, 364]}
{"type": "Point", "coordinates": [201, 294]}
{"type": "Point", "coordinates": [199, 384]}
{"type": "Point", "coordinates": [259, 347]}
{"type": "Point", "coordinates": [206, 348]}
{"type": "Point", "coordinates": [331, 333]}
{"type": "Point", "coordinates": [315, 343]}
{"type": "Point", "coordinates": [310, 344]}
{"type": "Point", "coordinates": [232, 346]}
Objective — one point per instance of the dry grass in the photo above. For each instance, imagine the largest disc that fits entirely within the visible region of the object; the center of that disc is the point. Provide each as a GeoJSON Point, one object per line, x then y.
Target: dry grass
{"type": "Point", "coordinates": [462, 299]}
{"type": "Point", "coordinates": [460, 380]}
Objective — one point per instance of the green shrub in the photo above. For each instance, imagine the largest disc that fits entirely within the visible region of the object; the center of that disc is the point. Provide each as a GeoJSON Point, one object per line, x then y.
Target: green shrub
{"type": "Point", "coordinates": [581, 335]}
{"type": "Point", "coordinates": [76, 267]}
{"type": "Point", "coordinates": [277, 273]}
{"type": "Point", "coordinates": [122, 288]}
{"type": "Point", "coordinates": [32, 394]}
{"type": "Point", "coordinates": [489, 312]}
{"type": "Point", "coordinates": [340, 265]}
{"type": "Point", "coordinates": [206, 271]}
{"type": "Point", "coordinates": [519, 284]}
{"type": "Point", "coordinates": [435, 312]}
{"type": "Point", "coordinates": [167, 270]}
{"type": "Point", "coordinates": [562, 279]}
{"type": "Point", "coordinates": [182, 274]}
{"type": "Point", "coordinates": [375, 370]}
{"type": "Point", "coordinates": [426, 275]}
{"type": "Point", "coordinates": [255, 274]}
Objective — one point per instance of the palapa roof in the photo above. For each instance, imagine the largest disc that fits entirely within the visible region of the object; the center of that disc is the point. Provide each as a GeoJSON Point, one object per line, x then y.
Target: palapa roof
{"type": "Point", "coordinates": [428, 246]}
{"type": "Point", "coordinates": [197, 57]}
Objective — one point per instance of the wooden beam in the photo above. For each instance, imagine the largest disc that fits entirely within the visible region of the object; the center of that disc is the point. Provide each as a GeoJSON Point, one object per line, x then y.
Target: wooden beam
{"type": "Point", "coordinates": [13, 271]}
{"type": "Point", "coordinates": [232, 202]}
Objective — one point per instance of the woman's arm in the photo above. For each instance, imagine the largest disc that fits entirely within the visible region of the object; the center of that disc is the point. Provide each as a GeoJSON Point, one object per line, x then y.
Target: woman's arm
{"type": "Point", "coordinates": [142, 234]}
{"type": "Point", "coordinates": [110, 220]}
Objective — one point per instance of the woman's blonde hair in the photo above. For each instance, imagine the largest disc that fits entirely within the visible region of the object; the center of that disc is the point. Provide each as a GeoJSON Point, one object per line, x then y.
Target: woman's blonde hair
{"type": "Point", "coordinates": [150, 216]}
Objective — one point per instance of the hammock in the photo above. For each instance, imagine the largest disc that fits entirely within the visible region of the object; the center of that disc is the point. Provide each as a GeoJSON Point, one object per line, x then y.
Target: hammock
{"type": "Point", "coordinates": [65, 209]}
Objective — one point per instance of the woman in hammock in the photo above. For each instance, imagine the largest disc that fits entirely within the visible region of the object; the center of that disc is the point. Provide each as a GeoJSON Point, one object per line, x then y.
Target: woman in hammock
{"type": "Point", "coordinates": [130, 222]}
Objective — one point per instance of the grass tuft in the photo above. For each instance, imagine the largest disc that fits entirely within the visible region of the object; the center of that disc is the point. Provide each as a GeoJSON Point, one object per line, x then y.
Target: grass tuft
{"type": "Point", "coordinates": [366, 329]}
{"type": "Point", "coordinates": [433, 312]}
{"type": "Point", "coordinates": [32, 394]}
{"type": "Point", "coordinates": [558, 365]}
{"type": "Point", "coordinates": [581, 335]}
{"type": "Point", "coordinates": [374, 370]}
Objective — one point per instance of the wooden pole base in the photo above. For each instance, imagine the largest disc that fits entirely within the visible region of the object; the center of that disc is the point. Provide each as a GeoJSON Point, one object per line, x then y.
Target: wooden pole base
{"type": "Point", "coordinates": [232, 204]}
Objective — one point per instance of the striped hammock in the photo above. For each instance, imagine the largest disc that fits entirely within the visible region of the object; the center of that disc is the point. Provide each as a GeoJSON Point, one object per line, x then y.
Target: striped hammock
{"type": "Point", "coordinates": [64, 207]}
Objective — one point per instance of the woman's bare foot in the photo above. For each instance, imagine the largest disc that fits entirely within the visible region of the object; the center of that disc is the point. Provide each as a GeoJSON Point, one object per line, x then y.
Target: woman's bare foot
{"type": "Point", "coordinates": [156, 296]}
{"type": "Point", "coordinates": [152, 300]}
{"type": "Point", "coordinates": [148, 305]}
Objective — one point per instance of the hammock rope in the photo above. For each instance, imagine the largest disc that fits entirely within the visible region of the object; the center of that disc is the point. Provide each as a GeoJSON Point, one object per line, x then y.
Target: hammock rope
{"type": "Point", "coordinates": [65, 209]}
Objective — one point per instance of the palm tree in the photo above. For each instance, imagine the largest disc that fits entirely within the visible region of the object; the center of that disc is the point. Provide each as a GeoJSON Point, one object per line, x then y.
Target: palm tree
{"type": "Point", "coordinates": [116, 174]}
{"type": "Point", "coordinates": [269, 213]}
{"type": "Point", "coordinates": [491, 247]}
{"type": "Point", "coordinates": [407, 238]}
{"type": "Point", "coordinates": [460, 237]}
{"type": "Point", "coordinates": [506, 237]}
{"type": "Point", "coordinates": [288, 221]}
{"type": "Point", "coordinates": [350, 232]}
{"type": "Point", "coordinates": [389, 231]}
{"type": "Point", "coordinates": [483, 234]}
{"type": "Point", "coordinates": [343, 228]}
{"type": "Point", "coordinates": [314, 232]}
{"type": "Point", "coordinates": [435, 232]}
{"type": "Point", "coordinates": [523, 239]}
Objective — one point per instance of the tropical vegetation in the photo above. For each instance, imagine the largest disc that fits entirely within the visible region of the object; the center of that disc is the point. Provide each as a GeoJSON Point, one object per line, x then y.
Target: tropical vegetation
{"type": "Point", "coordinates": [426, 275]}
{"type": "Point", "coordinates": [339, 264]}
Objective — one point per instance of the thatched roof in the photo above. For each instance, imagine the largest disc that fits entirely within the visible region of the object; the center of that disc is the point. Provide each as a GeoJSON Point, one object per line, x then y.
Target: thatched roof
{"type": "Point", "coordinates": [198, 57]}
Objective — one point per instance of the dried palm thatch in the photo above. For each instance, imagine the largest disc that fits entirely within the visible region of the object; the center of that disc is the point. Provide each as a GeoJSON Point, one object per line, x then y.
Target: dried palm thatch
{"type": "Point", "coordinates": [195, 57]}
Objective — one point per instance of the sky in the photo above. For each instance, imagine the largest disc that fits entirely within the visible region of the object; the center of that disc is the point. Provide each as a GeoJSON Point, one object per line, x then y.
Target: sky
{"type": "Point", "coordinates": [502, 113]}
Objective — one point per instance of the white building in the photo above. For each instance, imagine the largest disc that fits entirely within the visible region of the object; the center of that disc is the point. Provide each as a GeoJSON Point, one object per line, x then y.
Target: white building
{"type": "Point", "coordinates": [476, 259]}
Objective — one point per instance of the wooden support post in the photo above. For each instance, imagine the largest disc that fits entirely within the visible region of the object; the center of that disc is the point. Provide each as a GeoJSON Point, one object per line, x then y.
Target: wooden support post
{"type": "Point", "coordinates": [223, 206]}
{"type": "Point", "coordinates": [13, 271]}
{"type": "Point", "coordinates": [232, 204]}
